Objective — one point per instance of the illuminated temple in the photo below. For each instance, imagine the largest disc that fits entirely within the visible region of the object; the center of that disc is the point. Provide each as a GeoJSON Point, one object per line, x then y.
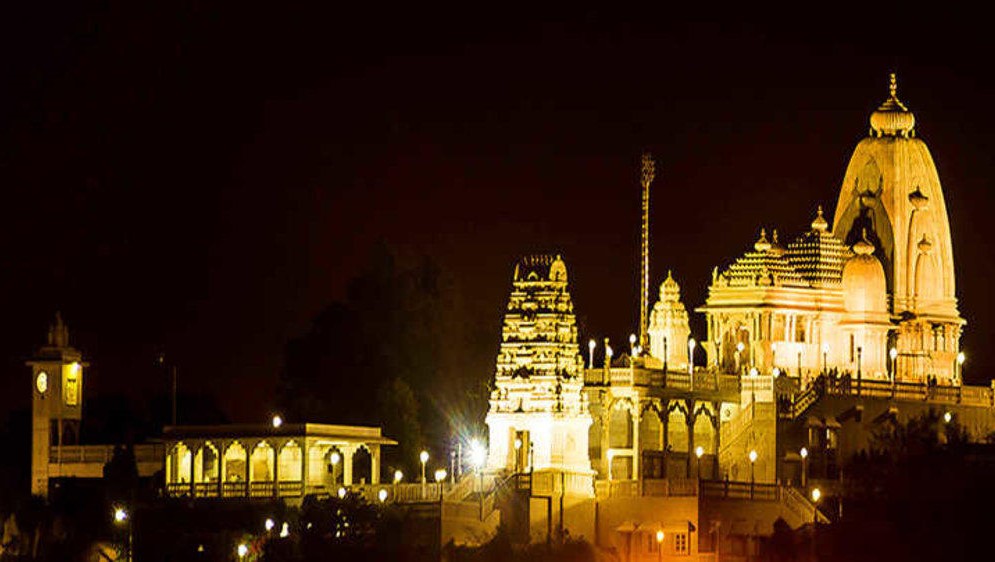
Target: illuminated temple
{"type": "Point", "coordinates": [814, 341]}
{"type": "Point", "coordinates": [679, 445]}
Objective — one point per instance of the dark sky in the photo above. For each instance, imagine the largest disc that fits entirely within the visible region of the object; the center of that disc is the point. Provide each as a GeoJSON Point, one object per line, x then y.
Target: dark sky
{"type": "Point", "coordinates": [204, 179]}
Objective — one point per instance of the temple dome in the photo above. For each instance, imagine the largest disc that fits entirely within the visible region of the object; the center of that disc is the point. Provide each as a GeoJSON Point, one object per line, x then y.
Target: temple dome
{"type": "Point", "coordinates": [864, 287]}
{"type": "Point", "coordinates": [892, 118]}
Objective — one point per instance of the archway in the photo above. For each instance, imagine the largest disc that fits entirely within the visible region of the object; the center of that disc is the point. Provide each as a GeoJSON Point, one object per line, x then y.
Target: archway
{"type": "Point", "coordinates": [261, 463]}
{"type": "Point", "coordinates": [289, 463]}
{"type": "Point", "coordinates": [362, 463]}
{"type": "Point", "coordinates": [206, 464]}
{"type": "Point", "coordinates": [233, 468]}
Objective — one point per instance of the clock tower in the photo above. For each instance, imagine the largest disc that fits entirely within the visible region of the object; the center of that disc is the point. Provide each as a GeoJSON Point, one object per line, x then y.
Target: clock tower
{"type": "Point", "coordinates": [56, 404]}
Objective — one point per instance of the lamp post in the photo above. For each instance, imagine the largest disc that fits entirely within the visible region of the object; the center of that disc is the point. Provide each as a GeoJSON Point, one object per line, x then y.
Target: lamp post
{"type": "Point", "coordinates": [691, 345]}
{"type": "Point", "coordinates": [590, 353]}
{"type": "Point", "coordinates": [336, 458]}
{"type": "Point", "coordinates": [699, 451]}
{"type": "Point", "coordinates": [277, 421]}
{"type": "Point", "coordinates": [122, 518]}
{"type": "Point", "coordinates": [423, 457]}
{"type": "Point", "coordinates": [804, 455]}
{"type": "Point", "coordinates": [960, 367]}
{"type": "Point", "coordinates": [860, 351]}
{"type": "Point", "coordinates": [753, 463]}
{"type": "Point", "coordinates": [799, 364]}
{"type": "Point", "coordinates": [816, 496]}
{"type": "Point", "coordinates": [665, 353]}
{"type": "Point", "coordinates": [659, 544]}
{"type": "Point", "coordinates": [440, 479]}
{"type": "Point", "coordinates": [893, 354]}
{"type": "Point", "coordinates": [739, 357]}
{"type": "Point", "coordinates": [825, 358]}
{"type": "Point", "coordinates": [518, 455]}
{"type": "Point", "coordinates": [632, 345]}
{"type": "Point", "coordinates": [477, 457]}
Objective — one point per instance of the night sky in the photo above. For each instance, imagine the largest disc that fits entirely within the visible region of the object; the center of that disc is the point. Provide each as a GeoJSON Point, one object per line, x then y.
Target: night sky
{"type": "Point", "coordinates": [204, 179]}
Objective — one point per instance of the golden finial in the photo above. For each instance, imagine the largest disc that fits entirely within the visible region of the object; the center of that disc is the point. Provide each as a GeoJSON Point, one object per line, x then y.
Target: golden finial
{"type": "Point", "coordinates": [893, 85]}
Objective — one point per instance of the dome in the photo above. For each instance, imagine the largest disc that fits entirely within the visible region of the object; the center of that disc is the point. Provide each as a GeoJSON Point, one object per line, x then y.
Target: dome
{"type": "Point", "coordinates": [762, 245]}
{"type": "Point", "coordinates": [892, 118]}
{"type": "Point", "coordinates": [864, 288]}
{"type": "Point", "coordinates": [820, 224]}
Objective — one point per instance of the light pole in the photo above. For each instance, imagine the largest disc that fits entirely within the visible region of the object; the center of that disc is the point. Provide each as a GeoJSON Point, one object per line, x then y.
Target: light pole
{"type": "Point", "coordinates": [960, 367]}
{"type": "Point", "coordinates": [440, 479]}
{"type": "Point", "coordinates": [590, 353]}
{"type": "Point", "coordinates": [804, 455]}
{"type": "Point", "coordinates": [691, 345]}
{"type": "Point", "coordinates": [665, 352]}
{"type": "Point", "coordinates": [518, 455]}
{"type": "Point", "coordinates": [799, 364]}
{"type": "Point", "coordinates": [659, 544]}
{"type": "Point", "coordinates": [860, 351]}
{"type": "Point", "coordinates": [893, 354]}
{"type": "Point", "coordinates": [816, 496]}
{"type": "Point", "coordinates": [825, 358]}
{"type": "Point", "coordinates": [698, 452]}
{"type": "Point", "coordinates": [121, 517]}
{"type": "Point", "coordinates": [477, 457]}
{"type": "Point", "coordinates": [632, 345]}
{"type": "Point", "coordinates": [336, 458]}
{"type": "Point", "coordinates": [753, 463]}
{"type": "Point", "coordinates": [423, 457]}
{"type": "Point", "coordinates": [739, 357]}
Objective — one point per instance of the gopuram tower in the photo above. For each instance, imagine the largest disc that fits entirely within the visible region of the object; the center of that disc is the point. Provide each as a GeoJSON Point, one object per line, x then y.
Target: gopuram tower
{"type": "Point", "coordinates": [538, 418]}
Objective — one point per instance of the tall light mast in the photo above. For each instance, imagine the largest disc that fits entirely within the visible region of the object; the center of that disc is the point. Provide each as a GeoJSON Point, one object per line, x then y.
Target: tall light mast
{"type": "Point", "coordinates": [649, 172]}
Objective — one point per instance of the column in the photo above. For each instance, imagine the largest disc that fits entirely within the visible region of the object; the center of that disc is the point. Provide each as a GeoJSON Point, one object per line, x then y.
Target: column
{"type": "Point", "coordinates": [305, 462]}
{"type": "Point", "coordinates": [276, 468]}
{"type": "Point", "coordinates": [718, 433]}
{"type": "Point", "coordinates": [347, 452]}
{"type": "Point", "coordinates": [605, 442]}
{"type": "Point", "coordinates": [635, 443]}
{"type": "Point", "coordinates": [375, 463]}
{"type": "Point", "coordinates": [690, 423]}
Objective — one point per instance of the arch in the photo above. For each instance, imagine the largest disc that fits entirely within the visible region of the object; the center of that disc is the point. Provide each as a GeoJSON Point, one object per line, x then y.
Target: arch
{"type": "Point", "coordinates": [362, 465]}
{"type": "Point", "coordinates": [206, 465]}
{"type": "Point", "coordinates": [179, 464]}
{"type": "Point", "coordinates": [290, 462]}
{"type": "Point", "coordinates": [261, 463]}
{"type": "Point", "coordinates": [677, 428]}
{"type": "Point", "coordinates": [233, 467]}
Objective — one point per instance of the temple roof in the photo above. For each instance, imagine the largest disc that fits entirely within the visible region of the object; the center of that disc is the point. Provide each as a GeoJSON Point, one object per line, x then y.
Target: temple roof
{"type": "Point", "coordinates": [814, 259]}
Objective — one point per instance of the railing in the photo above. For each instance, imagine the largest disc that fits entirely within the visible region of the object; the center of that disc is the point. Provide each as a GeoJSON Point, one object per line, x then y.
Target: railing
{"type": "Point", "coordinates": [144, 453]}
{"type": "Point", "coordinates": [909, 391]}
{"type": "Point", "coordinates": [740, 490]}
{"type": "Point", "coordinates": [663, 487]}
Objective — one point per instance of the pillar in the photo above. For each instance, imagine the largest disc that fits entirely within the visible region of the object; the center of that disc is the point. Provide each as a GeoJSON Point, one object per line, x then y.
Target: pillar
{"type": "Point", "coordinates": [635, 442]}
{"type": "Point", "coordinates": [305, 465]}
{"type": "Point", "coordinates": [717, 424]}
{"type": "Point", "coordinates": [375, 463]}
{"type": "Point", "coordinates": [347, 452]}
{"type": "Point", "coordinates": [689, 419]}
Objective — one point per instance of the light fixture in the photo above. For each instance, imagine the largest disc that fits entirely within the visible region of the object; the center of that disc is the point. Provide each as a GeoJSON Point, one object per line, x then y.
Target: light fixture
{"type": "Point", "coordinates": [341, 492]}
{"type": "Point", "coordinates": [423, 457]}
{"type": "Point", "coordinates": [382, 495]}
{"type": "Point", "coordinates": [440, 475]}
{"type": "Point", "coordinates": [285, 530]}
{"type": "Point", "coordinates": [816, 494]}
{"type": "Point", "coordinates": [803, 452]}
{"type": "Point", "coordinates": [753, 371]}
{"type": "Point", "coordinates": [753, 455]}
{"type": "Point", "coordinates": [277, 421]}
{"type": "Point", "coordinates": [336, 458]}
{"type": "Point", "coordinates": [242, 550]}
{"type": "Point", "coordinates": [398, 476]}
{"type": "Point", "coordinates": [659, 536]}
{"type": "Point", "coordinates": [269, 524]}
{"type": "Point", "coordinates": [947, 416]}
{"type": "Point", "coordinates": [699, 451]}
{"type": "Point", "coordinates": [120, 515]}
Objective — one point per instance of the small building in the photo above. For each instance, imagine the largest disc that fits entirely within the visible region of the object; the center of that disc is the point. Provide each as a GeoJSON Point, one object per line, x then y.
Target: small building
{"type": "Point", "coordinates": [270, 460]}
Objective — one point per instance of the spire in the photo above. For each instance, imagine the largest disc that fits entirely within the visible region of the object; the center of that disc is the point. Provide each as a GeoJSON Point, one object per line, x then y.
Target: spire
{"type": "Point", "coordinates": [762, 245]}
{"type": "Point", "coordinates": [820, 224]}
{"type": "Point", "coordinates": [892, 118]}
{"type": "Point", "coordinates": [648, 174]}
{"type": "Point", "coordinates": [863, 247]}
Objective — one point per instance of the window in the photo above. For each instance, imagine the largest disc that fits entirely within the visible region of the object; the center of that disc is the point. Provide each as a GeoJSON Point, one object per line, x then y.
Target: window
{"type": "Point", "coordinates": [832, 438]}
{"type": "Point", "coordinates": [681, 543]}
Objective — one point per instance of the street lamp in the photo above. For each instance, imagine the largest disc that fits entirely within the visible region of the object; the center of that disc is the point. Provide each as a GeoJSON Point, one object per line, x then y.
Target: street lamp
{"type": "Point", "coordinates": [590, 353]}
{"type": "Point", "coordinates": [608, 356]}
{"type": "Point", "coordinates": [816, 496]}
{"type": "Point", "coordinates": [398, 476]}
{"type": "Point", "coordinates": [691, 344]}
{"type": "Point", "coordinates": [382, 495]}
{"type": "Point", "coordinates": [893, 353]}
{"type": "Point", "coordinates": [739, 356]}
{"type": "Point", "coordinates": [242, 550]}
{"type": "Point", "coordinates": [632, 345]}
{"type": "Point", "coordinates": [336, 458]}
{"type": "Point", "coordinates": [947, 417]}
{"type": "Point", "coordinates": [440, 479]}
{"type": "Point", "coordinates": [825, 357]}
{"type": "Point", "coordinates": [477, 456]}
{"type": "Point", "coordinates": [423, 457]}
{"type": "Point", "coordinates": [269, 524]}
{"type": "Point", "coordinates": [753, 463]}
{"type": "Point", "coordinates": [698, 452]}
{"type": "Point", "coordinates": [277, 421]}
{"type": "Point", "coordinates": [804, 455]}
{"type": "Point", "coordinates": [121, 517]}
{"type": "Point", "coordinates": [960, 367]}
{"type": "Point", "coordinates": [659, 544]}
{"type": "Point", "coordinates": [860, 351]}
{"type": "Point", "coordinates": [342, 492]}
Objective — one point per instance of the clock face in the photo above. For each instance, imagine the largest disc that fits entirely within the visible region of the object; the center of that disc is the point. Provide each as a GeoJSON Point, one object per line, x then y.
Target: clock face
{"type": "Point", "coordinates": [42, 382]}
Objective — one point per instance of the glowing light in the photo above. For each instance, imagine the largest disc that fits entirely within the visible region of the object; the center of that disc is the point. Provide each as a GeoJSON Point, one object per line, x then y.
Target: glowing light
{"type": "Point", "coordinates": [825, 348]}
{"type": "Point", "coordinates": [608, 351]}
{"type": "Point", "coordinates": [336, 458]}
{"type": "Point", "coordinates": [753, 455]}
{"type": "Point", "coordinates": [803, 453]}
{"type": "Point", "coordinates": [423, 457]}
{"type": "Point", "coordinates": [243, 550]}
{"type": "Point", "coordinates": [692, 344]}
{"type": "Point", "coordinates": [120, 515]}
{"type": "Point", "coordinates": [776, 372]}
{"type": "Point", "coordinates": [285, 530]}
{"type": "Point", "coordinates": [277, 421]}
{"type": "Point", "coordinates": [477, 454]}
{"type": "Point", "coordinates": [440, 475]}
{"type": "Point", "coordinates": [591, 345]}
{"type": "Point", "coordinates": [659, 536]}
{"type": "Point", "coordinates": [269, 524]}
{"type": "Point", "coordinates": [699, 451]}
{"type": "Point", "coordinates": [518, 443]}
{"type": "Point", "coordinates": [632, 339]}
{"type": "Point", "coordinates": [961, 358]}
{"type": "Point", "coordinates": [740, 347]}
{"type": "Point", "coordinates": [341, 492]}
{"type": "Point", "coordinates": [382, 495]}
{"type": "Point", "coordinates": [893, 353]}
{"type": "Point", "coordinates": [816, 494]}
{"type": "Point", "coordinates": [398, 476]}
{"type": "Point", "coordinates": [42, 382]}
{"type": "Point", "coordinates": [947, 416]}
{"type": "Point", "coordinates": [753, 371]}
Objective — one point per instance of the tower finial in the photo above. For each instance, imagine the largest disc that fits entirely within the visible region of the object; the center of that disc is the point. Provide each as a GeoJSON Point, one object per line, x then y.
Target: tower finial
{"type": "Point", "coordinates": [893, 85]}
